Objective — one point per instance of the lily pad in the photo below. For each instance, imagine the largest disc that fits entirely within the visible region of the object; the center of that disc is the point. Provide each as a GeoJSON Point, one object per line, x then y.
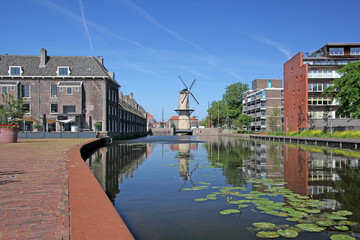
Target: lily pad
{"type": "Point", "coordinates": [341, 237]}
{"type": "Point", "coordinates": [325, 223]}
{"type": "Point", "coordinates": [264, 225]}
{"type": "Point", "coordinates": [200, 199]}
{"type": "Point", "coordinates": [243, 205]}
{"type": "Point", "coordinates": [342, 228]}
{"type": "Point", "coordinates": [310, 227]}
{"type": "Point", "coordinates": [289, 233]}
{"type": "Point", "coordinates": [229, 211]}
{"type": "Point", "coordinates": [349, 223]}
{"type": "Point", "coordinates": [293, 219]}
{"type": "Point", "coordinates": [267, 234]}
{"type": "Point", "coordinates": [335, 217]}
{"type": "Point", "coordinates": [343, 213]}
{"type": "Point", "coordinates": [204, 183]}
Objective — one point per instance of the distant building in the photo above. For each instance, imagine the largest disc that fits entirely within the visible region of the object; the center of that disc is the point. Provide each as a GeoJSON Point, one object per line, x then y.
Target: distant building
{"type": "Point", "coordinates": [174, 121]}
{"type": "Point", "coordinates": [151, 121]}
{"type": "Point", "coordinates": [74, 92]}
{"type": "Point", "coordinates": [260, 101]}
{"type": "Point", "coordinates": [132, 116]}
{"type": "Point", "coordinates": [306, 75]}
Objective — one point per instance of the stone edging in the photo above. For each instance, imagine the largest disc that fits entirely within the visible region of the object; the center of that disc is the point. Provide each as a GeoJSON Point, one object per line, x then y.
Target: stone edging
{"type": "Point", "coordinates": [92, 215]}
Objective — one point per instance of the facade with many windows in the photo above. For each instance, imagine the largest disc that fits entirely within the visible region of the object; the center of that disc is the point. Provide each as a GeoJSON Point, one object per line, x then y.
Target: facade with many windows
{"type": "Point", "coordinates": [306, 76]}
{"type": "Point", "coordinates": [72, 92]}
{"type": "Point", "coordinates": [260, 102]}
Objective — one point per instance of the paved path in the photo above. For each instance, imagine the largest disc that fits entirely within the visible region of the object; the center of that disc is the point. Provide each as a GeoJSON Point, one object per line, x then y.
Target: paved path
{"type": "Point", "coordinates": [34, 193]}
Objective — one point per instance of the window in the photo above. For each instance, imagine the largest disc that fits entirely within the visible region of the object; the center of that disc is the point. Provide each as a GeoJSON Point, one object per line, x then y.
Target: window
{"type": "Point", "coordinates": [310, 87]}
{"type": "Point", "coordinates": [355, 51]}
{"type": "Point", "coordinates": [12, 88]}
{"type": "Point", "coordinates": [68, 91]}
{"type": "Point", "coordinates": [69, 109]}
{"type": "Point", "coordinates": [53, 108]}
{"type": "Point", "coordinates": [26, 107]}
{"type": "Point", "coordinates": [4, 90]}
{"type": "Point", "coordinates": [263, 94]}
{"type": "Point", "coordinates": [15, 70]}
{"type": "Point", "coordinates": [53, 91]}
{"type": "Point", "coordinates": [63, 71]}
{"type": "Point", "coordinates": [336, 51]}
{"type": "Point", "coordinates": [25, 91]}
{"type": "Point", "coordinates": [320, 88]}
{"type": "Point", "coordinates": [269, 83]}
{"type": "Point", "coordinates": [77, 89]}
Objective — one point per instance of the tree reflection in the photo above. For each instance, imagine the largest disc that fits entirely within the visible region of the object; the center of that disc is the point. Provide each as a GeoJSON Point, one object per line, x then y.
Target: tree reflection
{"type": "Point", "coordinates": [229, 153]}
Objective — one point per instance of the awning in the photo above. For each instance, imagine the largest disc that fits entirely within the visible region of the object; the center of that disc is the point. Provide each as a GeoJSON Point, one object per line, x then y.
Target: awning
{"type": "Point", "coordinates": [31, 119]}
{"type": "Point", "coordinates": [67, 120]}
{"type": "Point", "coordinates": [50, 121]}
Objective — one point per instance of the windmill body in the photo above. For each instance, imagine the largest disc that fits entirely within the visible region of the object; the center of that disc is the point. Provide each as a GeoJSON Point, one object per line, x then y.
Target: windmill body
{"type": "Point", "coordinates": [183, 109]}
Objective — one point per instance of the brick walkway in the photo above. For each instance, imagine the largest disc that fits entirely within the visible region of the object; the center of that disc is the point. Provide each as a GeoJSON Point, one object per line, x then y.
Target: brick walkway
{"type": "Point", "coordinates": [34, 193]}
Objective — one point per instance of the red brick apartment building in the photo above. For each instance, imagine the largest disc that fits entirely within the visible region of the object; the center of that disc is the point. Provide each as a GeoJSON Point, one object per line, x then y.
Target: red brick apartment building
{"type": "Point", "coordinates": [306, 76]}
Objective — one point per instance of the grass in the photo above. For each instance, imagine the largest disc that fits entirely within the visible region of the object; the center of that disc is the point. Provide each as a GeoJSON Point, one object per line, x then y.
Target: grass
{"type": "Point", "coordinates": [320, 133]}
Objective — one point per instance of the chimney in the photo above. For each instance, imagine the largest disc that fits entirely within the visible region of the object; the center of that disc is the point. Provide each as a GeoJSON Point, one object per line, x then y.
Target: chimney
{"type": "Point", "coordinates": [121, 96]}
{"type": "Point", "coordinates": [43, 57]}
{"type": "Point", "coordinates": [131, 95]}
{"type": "Point", "coordinates": [100, 60]}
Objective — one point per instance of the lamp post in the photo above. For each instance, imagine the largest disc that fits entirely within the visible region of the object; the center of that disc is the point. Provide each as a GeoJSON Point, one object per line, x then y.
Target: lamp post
{"type": "Point", "coordinates": [331, 122]}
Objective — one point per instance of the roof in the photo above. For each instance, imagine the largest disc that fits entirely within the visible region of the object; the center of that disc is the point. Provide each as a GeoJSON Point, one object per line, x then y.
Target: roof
{"type": "Point", "coordinates": [79, 66]}
{"type": "Point", "coordinates": [177, 118]}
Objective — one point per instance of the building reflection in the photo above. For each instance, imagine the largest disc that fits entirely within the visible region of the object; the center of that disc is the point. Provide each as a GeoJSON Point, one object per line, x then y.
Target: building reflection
{"type": "Point", "coordinates": [322, 174]}
{"type": "Point", "coordinates": [111, 164]}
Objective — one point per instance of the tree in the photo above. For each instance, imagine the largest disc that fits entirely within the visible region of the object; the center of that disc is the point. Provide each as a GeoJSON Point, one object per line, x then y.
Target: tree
{"type": "Point", "coordinates": [217, 108]}
{"type": "Point", "coordinates": [347, 90]}
{"type": "Point", "coordinates": [243, 120]}
{"type": "Point", "coordinates": [274, 120]}
{"type": "Point", "coordinates": [233, 98]}
{"type": "Point", "coordinates": [13, 111]}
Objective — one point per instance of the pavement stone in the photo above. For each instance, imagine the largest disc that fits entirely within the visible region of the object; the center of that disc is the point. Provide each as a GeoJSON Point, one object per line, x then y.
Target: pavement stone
{"type": "Point", "coordinates": [34, 188]}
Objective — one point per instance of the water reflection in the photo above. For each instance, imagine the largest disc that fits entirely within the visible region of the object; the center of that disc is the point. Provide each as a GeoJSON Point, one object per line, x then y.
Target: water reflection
{"type": "Point", "coordinates": [111, 164]}
{"type": "Point", "coordinates": [325, 174]}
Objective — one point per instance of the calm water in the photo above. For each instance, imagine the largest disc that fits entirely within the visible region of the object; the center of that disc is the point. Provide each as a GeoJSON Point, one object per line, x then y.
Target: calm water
{"type": "Point", "coordinates": [153, 183]}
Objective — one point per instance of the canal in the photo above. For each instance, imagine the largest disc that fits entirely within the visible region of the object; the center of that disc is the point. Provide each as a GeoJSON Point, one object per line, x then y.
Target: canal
{"type": "Point", "coordinates": [169, 187]}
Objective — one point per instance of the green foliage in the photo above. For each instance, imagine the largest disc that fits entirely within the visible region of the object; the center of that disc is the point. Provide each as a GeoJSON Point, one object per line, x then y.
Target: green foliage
{"type": "Point", "coordinates": [217, 108]}
{"type": "Point", "coordinates": [274, 120]}
{"type": "Point", "coordinates": [12, 111]}
{"type": "Point", "coordinates": [98, 126]}
{"type": "Point", "coordinates": [230, 107]}
{"type": "Point", "coordinates": [233, 98]}
{"type": "Point", "coordinates": [347, 90]}
{"type": "Point", "coordinates": [243, 120]}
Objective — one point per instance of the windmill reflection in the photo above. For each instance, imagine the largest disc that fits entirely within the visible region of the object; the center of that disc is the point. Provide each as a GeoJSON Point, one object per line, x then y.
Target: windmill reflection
{"type": "Point", "coordinates": [183, 158]}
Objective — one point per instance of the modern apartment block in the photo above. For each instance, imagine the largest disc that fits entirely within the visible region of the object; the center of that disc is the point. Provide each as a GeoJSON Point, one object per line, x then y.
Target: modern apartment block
{"type": "Point", "coordinates": [306, 76]}
{"type": "Point", "coordinates": [261, 100]}
{"type": "Point", "coordinates": [72, 92]}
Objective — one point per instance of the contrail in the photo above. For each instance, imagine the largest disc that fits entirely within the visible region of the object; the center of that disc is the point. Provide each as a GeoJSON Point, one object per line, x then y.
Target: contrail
{"type": "Point", "coordinates": [149, 18]}
{"type": "Point", "coordinates": [277, 45]}
{"type": "Point", "coordinates": [85, 24]}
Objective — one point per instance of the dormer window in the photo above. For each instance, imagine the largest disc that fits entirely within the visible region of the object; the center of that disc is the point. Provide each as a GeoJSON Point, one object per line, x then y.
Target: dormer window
{"type": "Point", "coordinates": [63, 71]}
{"type": "Point", "coordinates": [15, 71]}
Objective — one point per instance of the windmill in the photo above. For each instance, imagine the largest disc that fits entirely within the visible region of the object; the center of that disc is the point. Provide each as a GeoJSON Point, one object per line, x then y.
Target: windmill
{"type": "Point", "coordinates": [183, 109]}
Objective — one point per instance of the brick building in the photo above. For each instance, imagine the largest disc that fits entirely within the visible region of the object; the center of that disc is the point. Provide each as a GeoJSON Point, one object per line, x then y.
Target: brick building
{"type": "Point", "coordinates": [260, 101]}
{"type": "Point", "coordinates": [73, 92]}
{"type": "Point", "coordinates": [306, 75]}
{"type": "Point", "coordinates": [132, 116]}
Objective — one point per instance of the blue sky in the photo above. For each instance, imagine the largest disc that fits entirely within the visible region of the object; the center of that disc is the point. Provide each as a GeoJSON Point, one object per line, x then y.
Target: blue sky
{"type": "Point", "coordinates": [149, 43]}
